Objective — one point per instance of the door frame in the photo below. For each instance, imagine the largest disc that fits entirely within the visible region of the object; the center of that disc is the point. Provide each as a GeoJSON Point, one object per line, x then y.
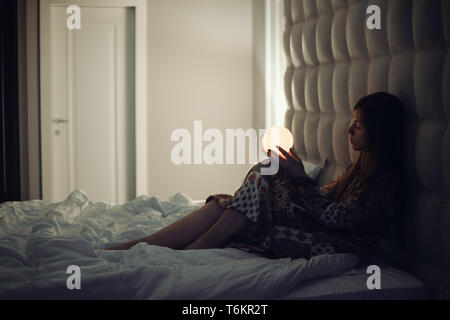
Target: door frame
{"type": "Point", "coordinates": [141, 123]}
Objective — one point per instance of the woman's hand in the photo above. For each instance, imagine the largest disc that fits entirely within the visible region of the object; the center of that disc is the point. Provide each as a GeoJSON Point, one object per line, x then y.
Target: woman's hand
{"type": "Point", "coordinates": [293, 164]}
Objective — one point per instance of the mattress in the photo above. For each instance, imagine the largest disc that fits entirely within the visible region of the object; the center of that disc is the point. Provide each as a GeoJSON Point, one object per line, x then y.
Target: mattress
{"type": "Point", "coordinates": [43, 244]}
{"type": "Point", "coordinates": [56, 251]}
{"type": "Point", "coordinates": [395, 284]}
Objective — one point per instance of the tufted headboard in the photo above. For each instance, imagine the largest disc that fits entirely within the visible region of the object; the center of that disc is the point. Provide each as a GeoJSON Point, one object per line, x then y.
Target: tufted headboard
{"type": "Point", "coordinates": [333, 59]}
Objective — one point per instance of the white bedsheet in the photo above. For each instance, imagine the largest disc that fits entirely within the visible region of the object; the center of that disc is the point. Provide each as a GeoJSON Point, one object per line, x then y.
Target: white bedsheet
{"type": "Point", "coordinates": [39, 240]}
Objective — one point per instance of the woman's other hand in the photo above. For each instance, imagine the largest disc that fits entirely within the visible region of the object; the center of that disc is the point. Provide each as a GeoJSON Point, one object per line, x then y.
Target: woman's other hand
{"type": "Point", "coordinates": [290, 162]}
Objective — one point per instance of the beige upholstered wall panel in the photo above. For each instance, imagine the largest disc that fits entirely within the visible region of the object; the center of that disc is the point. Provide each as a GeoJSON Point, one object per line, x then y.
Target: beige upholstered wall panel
{"type": "Point", "coordinates": [333, 60]}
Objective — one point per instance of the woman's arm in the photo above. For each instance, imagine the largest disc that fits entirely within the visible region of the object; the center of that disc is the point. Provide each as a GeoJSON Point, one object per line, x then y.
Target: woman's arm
{"type": "Point", "coordinates": [378, 204]}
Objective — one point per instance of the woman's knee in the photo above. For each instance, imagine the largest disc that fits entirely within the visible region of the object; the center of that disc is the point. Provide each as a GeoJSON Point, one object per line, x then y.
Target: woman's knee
{"type": "Point", "coordinates": [236, 216]}
{"type": "Point", "coordinates": [214, 207]}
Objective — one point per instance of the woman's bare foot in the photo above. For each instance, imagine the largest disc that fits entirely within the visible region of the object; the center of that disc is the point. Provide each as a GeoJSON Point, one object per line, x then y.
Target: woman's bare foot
{"type": "Point", "coordinates": [122, 246]}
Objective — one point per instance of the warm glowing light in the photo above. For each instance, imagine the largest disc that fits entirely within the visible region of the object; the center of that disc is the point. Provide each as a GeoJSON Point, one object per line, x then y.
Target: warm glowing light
{"type": "Point", "coordinates": [277, 136]}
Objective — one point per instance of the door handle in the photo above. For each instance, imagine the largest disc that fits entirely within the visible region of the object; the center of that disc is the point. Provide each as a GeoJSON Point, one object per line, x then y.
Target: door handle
{"type": "Point", "coordinates": [58, 121]}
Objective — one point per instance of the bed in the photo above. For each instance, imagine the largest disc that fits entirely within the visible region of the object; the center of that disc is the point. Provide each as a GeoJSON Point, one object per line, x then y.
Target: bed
{"type": "Point", "coordinates": [42, 241]}
{"type": "Point", "coordinates": [332, 61]}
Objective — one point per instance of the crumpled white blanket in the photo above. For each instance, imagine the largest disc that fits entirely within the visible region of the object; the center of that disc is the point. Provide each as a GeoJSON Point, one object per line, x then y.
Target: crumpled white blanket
{"type": "Point", "coordinates": [39, 240]}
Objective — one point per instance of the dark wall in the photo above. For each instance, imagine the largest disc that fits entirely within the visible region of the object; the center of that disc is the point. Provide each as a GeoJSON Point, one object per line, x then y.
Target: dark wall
{"type": "Point", "coordinates": [9, 111]}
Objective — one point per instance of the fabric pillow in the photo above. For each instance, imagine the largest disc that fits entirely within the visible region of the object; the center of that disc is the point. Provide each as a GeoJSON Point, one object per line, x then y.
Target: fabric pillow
{"type": "Point", "coordinates": [313, 170]}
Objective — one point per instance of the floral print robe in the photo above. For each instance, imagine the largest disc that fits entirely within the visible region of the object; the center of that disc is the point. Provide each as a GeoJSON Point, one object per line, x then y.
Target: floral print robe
{"type": "Point", "coordinates": [292, 217]}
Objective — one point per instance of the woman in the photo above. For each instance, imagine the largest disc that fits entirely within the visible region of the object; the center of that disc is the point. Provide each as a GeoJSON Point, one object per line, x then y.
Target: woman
{"type": "Point", "coordinates": [288, 215]}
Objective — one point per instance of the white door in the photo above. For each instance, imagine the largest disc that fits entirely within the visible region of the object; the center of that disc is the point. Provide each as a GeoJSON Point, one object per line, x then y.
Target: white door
{"type": "Point", "coordinates": [91, 92]}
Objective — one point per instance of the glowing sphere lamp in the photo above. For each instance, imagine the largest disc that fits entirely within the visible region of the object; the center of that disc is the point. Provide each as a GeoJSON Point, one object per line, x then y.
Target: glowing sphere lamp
{"type": "Point", "coordinates": [277, 136]}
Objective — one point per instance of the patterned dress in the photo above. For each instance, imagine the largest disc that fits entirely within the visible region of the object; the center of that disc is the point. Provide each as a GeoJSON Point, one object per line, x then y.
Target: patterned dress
{"type": "Point", "coordinates": [292, 217]}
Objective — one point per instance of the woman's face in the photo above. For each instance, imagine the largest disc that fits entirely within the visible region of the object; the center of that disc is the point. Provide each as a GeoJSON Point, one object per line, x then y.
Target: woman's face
{"type": "Point", "coordinates": [357, 133]}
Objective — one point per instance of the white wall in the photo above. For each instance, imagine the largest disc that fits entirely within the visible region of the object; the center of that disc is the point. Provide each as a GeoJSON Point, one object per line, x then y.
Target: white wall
{"type": "Point", "coordinates": [200, 68]}
{"type": "Point", "coordinates": [259, 64]}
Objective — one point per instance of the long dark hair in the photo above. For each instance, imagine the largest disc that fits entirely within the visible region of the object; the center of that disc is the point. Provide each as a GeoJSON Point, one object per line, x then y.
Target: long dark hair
{"type": "Point", "coordinates": [382, 115]}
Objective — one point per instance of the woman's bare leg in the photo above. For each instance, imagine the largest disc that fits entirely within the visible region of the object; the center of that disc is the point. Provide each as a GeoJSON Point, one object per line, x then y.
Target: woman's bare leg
{"type": "Point", "coordinates": [229, 223]}
{"type": "Point", "coordinates": [182, 232]}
